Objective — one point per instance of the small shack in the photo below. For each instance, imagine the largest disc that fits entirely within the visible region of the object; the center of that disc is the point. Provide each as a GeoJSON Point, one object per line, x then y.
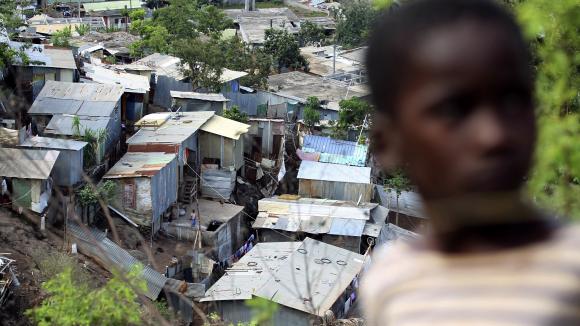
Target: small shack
{"type": "Point", "coordinates": [335, 181]}
{"type": "Point", "coordinates": [221, 145]}
{"type": "Point", "coordinates": [136, 95]}
{"type": "Point", "coordinates": [310, 283]}
{"type": "Point", "coordinates": [91, 102]}
{"type": "Point", "coordinates": [28, 175]}
{"type": "Point", "coordinates": [192, 101]}
{"type": "Point", "coordinates": [175, 133]}
{"type": "Point", "coordinates": [169, 76]}
{"type": "Point", "coordinates": [329, 150]}
{"type": "Point", "coordinates": [335, 222]}
{"type": "Point", "coordinates": [223, 228]}
{"type": "Point", "coordinates": [146, 185]}
{"type": "Point", "coordinates": [46, 64]}
{"type": "Point", "coordinates": [68, 169]}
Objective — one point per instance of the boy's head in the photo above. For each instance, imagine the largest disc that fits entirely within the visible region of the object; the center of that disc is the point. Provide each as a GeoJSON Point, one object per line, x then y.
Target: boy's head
{"type": "Point", "coordinates": [452, 86]}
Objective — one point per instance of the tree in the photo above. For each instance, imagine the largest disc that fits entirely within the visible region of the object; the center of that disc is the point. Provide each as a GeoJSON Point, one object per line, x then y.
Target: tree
{"type": "Point", "coordinates": [73, 304]}
{"type": "Point", "coordinates": [211, 21]}
{"type": "Point", "coordinates": [203, 62]}
{"type": "Point", "coordinates": [354, 22]}
{"type": "Point", "coordinates": [234, 113]}
{"type": "Point", "coordinates": [62, 38]}
{"type": "Point", "coordinates": [311, 34]}
{"type": "Point", "coordinates": [312, 112]}
{"type": "Point", "coordinates": [254, 61]}
{"type": "Point", "coordinates": [352, 114]}
{"type": "Point", "coordinates": [284, 49]}
{"type": "Point", "coordinates": [552, 28]}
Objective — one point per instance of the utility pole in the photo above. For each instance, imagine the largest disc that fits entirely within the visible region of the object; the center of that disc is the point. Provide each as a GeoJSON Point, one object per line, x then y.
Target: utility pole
{"type": "Point", "coordinates": [334, 59]}
{"type": "Point", "coordinates": [79, 9]}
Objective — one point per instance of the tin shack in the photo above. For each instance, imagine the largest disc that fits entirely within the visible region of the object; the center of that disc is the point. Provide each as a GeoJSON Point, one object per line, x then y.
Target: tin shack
{"type": "Point", "coordinates": [28, 174]}
{"type": "Point", "coordinates": [312, 283]}
{"type": "Point", "coordinates": [68, 169]}
{"type": "Point", "coordinates": [146, 185]}
{"type": "Point", "coordinates": [335, 181]}
{"type": "Point", "coordinates": [335, 222]}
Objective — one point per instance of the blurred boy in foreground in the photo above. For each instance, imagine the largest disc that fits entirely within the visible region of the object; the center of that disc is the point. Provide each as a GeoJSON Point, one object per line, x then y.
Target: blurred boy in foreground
{"type": "Point", "coordinates": [453, 89]}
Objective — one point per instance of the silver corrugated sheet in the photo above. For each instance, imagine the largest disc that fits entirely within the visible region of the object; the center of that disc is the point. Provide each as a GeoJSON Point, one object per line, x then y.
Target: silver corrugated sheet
{"type": "Point", "coordinates": [97, 245]}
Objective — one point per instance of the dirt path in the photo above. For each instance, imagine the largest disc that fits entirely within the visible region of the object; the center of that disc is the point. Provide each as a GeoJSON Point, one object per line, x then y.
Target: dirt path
{"type": "Point", "coordinates": [20, 240]}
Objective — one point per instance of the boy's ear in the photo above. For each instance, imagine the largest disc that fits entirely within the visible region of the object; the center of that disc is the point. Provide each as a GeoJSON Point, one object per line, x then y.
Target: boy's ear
{"type": "Point", "coordinates": [385, 142]}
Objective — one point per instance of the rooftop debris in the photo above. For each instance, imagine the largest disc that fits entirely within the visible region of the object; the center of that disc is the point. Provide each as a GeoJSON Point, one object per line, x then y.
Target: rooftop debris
{"type": "Point", "coordinates": [7, 278]}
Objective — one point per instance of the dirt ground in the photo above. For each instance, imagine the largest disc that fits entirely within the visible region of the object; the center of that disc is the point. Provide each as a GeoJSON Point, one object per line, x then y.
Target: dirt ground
{"type": "Point", "coordinates": [21, 241]}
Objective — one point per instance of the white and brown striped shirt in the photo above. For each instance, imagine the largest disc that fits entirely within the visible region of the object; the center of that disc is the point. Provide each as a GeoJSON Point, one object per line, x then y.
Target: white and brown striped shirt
{"type": "Point", "coordinates": [538, 284]}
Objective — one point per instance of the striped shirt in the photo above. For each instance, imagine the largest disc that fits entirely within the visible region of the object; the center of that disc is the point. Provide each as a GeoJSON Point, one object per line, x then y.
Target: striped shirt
{"type": "Point", "coordinates": [537, 284]}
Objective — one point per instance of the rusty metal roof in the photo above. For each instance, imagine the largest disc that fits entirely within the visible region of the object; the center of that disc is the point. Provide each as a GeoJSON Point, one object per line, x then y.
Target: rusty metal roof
{"type": "Point", "coordinates": [139, 165]}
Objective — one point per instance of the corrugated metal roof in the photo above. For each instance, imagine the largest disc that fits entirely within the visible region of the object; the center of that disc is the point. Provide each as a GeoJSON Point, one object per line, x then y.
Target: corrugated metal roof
{"type": "Point", "coordinates": [100, 246]}
{"type": "Point", "coordinates": [27, 163]}
{"type": "Point", "coordinates": [391, 233]}
{"type": "Point", "coordinates": [55, 58]}
{"type": "Point", "coordinates": [53, 143]}
{"type": "Point", "coordinates": [199, 96]}
{"type": "Point", "coordinates": [314, 216]}
{"type": "Point", "coordinates": [163, 64]}
{"type": "Point", "coordinates": [174, 131]}
{"type": "Point", "coordinates": [357, 54]}
{"type": "Point", "coordinates": [210, 210]}
{"type": "Point", "coordinates": [225, 127]}
{"type": "Point", "coordinates": [307, 282]}
{"type": "Point", "coordinates": [335, 150]}
{"type": "Point", "coordinates": [408, 202]}
{"type": "Point", "coordinates": [76, 98]}
{"type": "Point", "coordinates": [334, 172]}
{"type": "Point", "coordinates": [229, 75]}
{"type": "Point", "coordinates": [131, 82]}
{"type": "Point", "coordinates": [139, 165]}
{"type": "Point", "coordinates": [251, 272]}
{"type": "Point", "coordinates": [63, 124]}
{"type": "Point", "coordinates": [112, 5]}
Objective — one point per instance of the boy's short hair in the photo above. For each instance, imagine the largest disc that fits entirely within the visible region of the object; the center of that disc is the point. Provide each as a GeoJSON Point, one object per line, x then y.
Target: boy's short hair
{"type": "Point", "coordinates": [397, 29]}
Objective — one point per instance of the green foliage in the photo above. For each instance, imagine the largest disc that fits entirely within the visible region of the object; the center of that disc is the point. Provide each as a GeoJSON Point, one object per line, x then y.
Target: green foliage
{"type": "Point", "coordinates": [62, 38]}
{"type": "Point", "coordinates": [552, 28]}
{"type": "Point", "coordinates": [311, 34]}
{"type": "Point", "coordinates": [234, 113]}
{"type": "Point", "coordinates": [312, 112]}
{"type": "Point", "coordinates": [354, 22]}
{"type": "Point", "coordinates": [203, 62]}
{"type": "Point", "coordinates": [211, 21]}
{"type": "Point", "coordinates": [96, 140]}
{"type": "Point", "coordinates": [71, 304]}
{"type": "Point", "coordinates": [51, 263]}
{"type": "Point", "coordinates": [254, 61]}
{"type": "Point", "coordinates": [397, 181]}
{"type": "Point", "coordinates": [263, 310]}
{"type": "Point", "coordinates": [351, 114]}
{"type": "Point", "coordinates": [83, 29]}
{"type": "Point", "coordinates": [90, 195]}
{"type": "Point", "coordinates": [284, 49]}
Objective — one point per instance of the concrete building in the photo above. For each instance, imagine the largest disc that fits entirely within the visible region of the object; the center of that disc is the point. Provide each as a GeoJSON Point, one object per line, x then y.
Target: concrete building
{"type": "Point", "coordinates": [252, 24]}
{"type": "Point", "coordinates": [68, 169]}
{"type": "Point", "coordinates": [310, 282]}
{"type": "Point", "coordinates": [112, 11]}
{"type": "Point", "coordinates": [299, 86]}
{"type": "Point", "coordinates": [146, 185]}
{"type": "Point", "coordinates": [335, 181]}
{"type": "Point", "coordinates": [340, 223]}
{"type": "Point", "coordinates": [28, 174]}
